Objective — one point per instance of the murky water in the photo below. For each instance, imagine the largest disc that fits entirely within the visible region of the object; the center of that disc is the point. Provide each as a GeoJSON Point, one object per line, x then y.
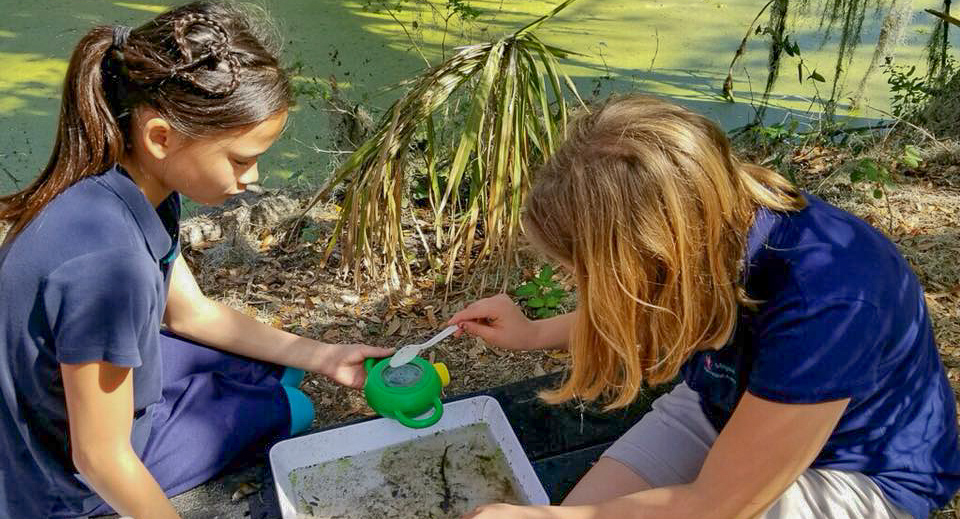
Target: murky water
{"type": "Point", "coordinates": [438, 477]}
{"type": "Point", "coordinates": [676, 48]}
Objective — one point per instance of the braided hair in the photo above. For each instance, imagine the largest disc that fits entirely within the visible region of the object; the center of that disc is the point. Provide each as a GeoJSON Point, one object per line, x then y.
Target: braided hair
{"type": "Point", "coordinates": [205, 67]}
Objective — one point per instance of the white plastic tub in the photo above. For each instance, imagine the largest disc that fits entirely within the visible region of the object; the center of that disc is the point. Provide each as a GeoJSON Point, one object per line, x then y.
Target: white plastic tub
{"type": "Point", "coordinates": [351, 440]}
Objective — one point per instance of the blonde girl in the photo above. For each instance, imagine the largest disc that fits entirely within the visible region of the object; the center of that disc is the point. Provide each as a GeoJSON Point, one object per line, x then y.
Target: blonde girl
{"type": "Point", "coordinates": [810, 383]}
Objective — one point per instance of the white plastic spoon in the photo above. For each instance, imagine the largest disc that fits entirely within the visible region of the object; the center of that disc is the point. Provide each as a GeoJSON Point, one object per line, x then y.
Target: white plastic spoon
{"type": "Point", "coordinates": [405, 354]}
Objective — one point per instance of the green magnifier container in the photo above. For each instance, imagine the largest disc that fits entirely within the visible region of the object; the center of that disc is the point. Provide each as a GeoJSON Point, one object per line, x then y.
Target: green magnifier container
{"type": "Point", "coordinates": [406, 392]}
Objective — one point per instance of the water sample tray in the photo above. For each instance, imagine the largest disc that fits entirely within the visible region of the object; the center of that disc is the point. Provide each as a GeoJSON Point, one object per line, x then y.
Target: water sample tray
{"type": "Point", "coordinates": [357, 449]}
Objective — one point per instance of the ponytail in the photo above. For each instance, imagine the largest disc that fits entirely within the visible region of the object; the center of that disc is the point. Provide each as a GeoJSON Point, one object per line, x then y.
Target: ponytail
{"type": "Point", "coordinates": [204, 67]}
{"type": "Point", "coordinates": [88, 138]}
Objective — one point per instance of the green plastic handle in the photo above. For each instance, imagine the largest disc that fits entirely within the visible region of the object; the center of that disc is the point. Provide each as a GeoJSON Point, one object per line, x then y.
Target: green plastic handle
{"type": "Point", "coordinates": [413, 423]}
{"type": "Point", "coordinates": [369, 363]}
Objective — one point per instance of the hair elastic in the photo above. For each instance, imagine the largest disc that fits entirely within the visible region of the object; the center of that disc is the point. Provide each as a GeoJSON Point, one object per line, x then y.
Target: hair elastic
{"type": "Point", "coordinates": [120, 35]}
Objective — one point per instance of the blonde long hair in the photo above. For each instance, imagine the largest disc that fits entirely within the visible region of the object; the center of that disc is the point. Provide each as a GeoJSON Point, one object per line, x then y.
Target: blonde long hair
{"type": "Point", "coordinates": [648, 204]}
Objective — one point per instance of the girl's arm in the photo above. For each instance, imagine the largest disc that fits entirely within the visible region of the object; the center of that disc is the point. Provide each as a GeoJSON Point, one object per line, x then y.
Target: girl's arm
{"type": "Point", "coordinates": [189, 313]}
{"type": "Point", "coordinates": [501, 323]}
{"type": "Point", "coordinates": [99, 399]}
{"type": "Point", "coordinates": [762, 450]}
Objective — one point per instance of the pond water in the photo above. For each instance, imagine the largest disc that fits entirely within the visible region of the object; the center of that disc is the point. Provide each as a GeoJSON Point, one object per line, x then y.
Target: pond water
{"type": "Point", "coordinates": [438, 477]}
{"type": "Point", "coordinates": [675, 48]}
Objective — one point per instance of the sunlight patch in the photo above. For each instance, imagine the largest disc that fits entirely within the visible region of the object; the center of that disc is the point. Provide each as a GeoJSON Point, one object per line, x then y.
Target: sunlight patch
{"type": "Point", "coordinates": [150, 8]}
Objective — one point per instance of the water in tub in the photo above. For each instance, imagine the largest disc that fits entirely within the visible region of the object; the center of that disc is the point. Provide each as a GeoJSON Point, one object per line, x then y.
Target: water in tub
{"type": "Point", "coordinates": [436, 477]}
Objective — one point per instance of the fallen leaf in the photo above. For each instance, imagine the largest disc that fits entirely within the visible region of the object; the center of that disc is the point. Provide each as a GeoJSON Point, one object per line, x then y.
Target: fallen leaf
{"type": "Point", "coordinates": [244, 490]}
{"type": "Point", "coordinates": [499, 352]}
{"type": "Point", "coordinates": [478, 348]}
{"type": "Point", "coordinates": [266, 242]}
{"type": "Point", "coordinates": [405, 328]}
{"type": "Point", "coordinates": [393, 327]}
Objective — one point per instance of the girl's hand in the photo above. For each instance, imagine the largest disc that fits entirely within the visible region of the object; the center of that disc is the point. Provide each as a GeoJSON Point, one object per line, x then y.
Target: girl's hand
{"type": "Point", "coordinates": [499, 322]}
{"type": "Point", "coordinates": [343, 363]}
{"type": "Point", "coordinates": [504, 511]}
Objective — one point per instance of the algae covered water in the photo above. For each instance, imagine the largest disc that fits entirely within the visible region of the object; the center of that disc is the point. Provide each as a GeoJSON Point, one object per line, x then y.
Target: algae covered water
{"type": "Point", "coordinates": [436, 477]}
{"type": "Point", "coordinates": [675, 48]}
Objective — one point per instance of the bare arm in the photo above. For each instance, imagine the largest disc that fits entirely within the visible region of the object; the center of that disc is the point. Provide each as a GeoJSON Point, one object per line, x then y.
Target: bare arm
{"type": "Point", "coordinates": [99, 400]}
{"type": "Point", "coordinates": [501, 323]}
{"type": "Point", "coordinates": [189, 313]}
{"type": "Point", "coordinates": [762, 450]}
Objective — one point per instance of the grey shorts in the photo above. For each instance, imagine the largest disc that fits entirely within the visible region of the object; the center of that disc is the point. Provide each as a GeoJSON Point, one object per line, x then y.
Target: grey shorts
{"type": "Point", "coordinates": [668, 446]}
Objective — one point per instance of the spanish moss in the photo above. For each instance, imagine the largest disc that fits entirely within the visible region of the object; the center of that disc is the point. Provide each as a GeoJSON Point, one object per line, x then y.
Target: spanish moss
{"type": "Point", "coordinates": [846, 16]}
{"type": "Point", "coordinates": [778, 24]}
{"type": "Point", "coordinates": [891, 35]}
{"type": "Point", "coordinates": [853, 13]}
{"type": "Point", "coordinates": [937, 70]}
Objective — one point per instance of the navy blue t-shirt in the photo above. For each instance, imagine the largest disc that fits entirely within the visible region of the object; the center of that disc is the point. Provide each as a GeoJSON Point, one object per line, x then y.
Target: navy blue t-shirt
{"type": "Point", "coordinates": [841, 315]}
{"type": "Point", "coordinates": [84, 281]}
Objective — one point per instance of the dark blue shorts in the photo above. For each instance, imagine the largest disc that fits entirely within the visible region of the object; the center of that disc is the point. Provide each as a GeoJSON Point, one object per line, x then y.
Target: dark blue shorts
{"type": "Point", "coordinates": [216, 406]}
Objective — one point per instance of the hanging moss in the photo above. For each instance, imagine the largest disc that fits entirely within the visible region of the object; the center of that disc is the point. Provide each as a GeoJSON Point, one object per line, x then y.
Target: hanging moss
{"type": "Point", "coordinates": [778, 24]}
{"type": "Point", "coordinates": [937, 48]}
{"type": "Point", "coordinates": [847, 16]}
{"type": "Point", "coordinates": [852, 13]}
{"type": "Point", "coordinates": [891, 35]}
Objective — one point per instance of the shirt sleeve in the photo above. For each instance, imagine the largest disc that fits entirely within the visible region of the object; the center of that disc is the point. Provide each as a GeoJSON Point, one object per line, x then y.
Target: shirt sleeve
{"type": "Point", "coordinates": [102, 306]}
{"type": "Point", "coordinates": [815, 351]}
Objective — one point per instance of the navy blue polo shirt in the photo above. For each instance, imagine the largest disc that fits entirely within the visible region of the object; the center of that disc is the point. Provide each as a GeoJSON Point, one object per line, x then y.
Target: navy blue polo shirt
{"type": "Point", "coordinates": [84, 281]}
{"type": "Point", "coordinates": [841, 315]}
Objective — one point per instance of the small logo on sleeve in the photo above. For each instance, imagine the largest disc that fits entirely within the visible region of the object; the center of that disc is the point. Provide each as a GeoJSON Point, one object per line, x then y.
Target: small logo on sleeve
{"type": "Point", "coordinates": [719, 370]}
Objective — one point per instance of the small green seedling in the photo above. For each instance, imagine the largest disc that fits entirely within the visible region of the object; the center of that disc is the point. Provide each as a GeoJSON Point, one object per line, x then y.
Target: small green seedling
{"type": "Point", "coordinates": [871, 171]}
{"type": "Point", "coordinates": [542, 296]}
{"type": "Point", "coordinates": [911, 156]}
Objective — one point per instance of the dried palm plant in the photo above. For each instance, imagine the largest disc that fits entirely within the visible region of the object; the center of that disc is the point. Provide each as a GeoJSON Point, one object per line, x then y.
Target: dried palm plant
{"type": "Point", "coordinates": [517, 112]}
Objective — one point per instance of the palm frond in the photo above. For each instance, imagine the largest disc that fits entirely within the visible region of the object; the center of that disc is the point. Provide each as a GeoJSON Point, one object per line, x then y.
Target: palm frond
{"type": "Point", "coordinates": [517, 112]}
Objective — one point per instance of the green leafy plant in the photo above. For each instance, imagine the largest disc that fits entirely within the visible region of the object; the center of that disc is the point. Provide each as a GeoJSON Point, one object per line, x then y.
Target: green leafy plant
{"type": "Point", "coordinates": [780, 43]}
{"type": "Point", "coordinates": [310, 234]}
{"type": "Point", "coordinates": [462, 9]}
{"type": "Point", "coordinates": [779, 133]}
{"type": "Point", "coordinates": [908, 90]}
{"type": "Point", "coordinates": [542, 296]}
{"type": "Point", "coordinates": [911, 156]}
{"type": "Point", "coordinates": [876, 172]}
{"type": "Point", "coordinates": [517, 113]}
{"type": "Point", "coordinates": [871, 171]}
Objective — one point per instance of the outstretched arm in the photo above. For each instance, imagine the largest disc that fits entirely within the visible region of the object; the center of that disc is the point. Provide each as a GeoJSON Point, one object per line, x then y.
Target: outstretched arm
{"type": "Point", "coordinates": [762, 450]}
{"type": "Point", "coordinates": [191, 314]}
{"type": "Point", "coordinates": [501, 323]}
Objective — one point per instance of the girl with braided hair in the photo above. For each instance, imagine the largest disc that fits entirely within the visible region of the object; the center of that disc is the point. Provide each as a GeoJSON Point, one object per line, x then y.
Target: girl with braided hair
{"type": "Point", "coordinates": [120, 382]}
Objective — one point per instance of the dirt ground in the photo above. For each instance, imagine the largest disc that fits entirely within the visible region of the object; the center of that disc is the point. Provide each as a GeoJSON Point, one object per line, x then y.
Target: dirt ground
{"type": "Point", "coordinates": [292, 289]}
